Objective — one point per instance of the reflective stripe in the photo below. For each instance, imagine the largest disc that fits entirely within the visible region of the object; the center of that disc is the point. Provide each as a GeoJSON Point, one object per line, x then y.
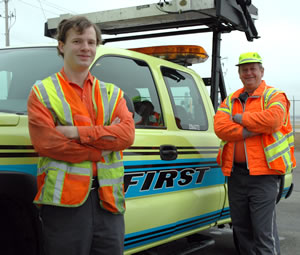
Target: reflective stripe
{"type": "Point", "coordinates": [93, 97]}
{"type": "Point", "coordinates": [222, 144]}
{"type": "Point", "coordinates": [268, 94]}
{"type": "Point", "coordinates": [118, 155]}
{"type": "Point", "coordinates": [58, 186]}
{"type": "Point", "coordinates": [119, 200]}
{"type": "Point", "coordinates": [44, 94]}
{"type": "Point", "coordinates": [110, 182]}
{"type": "Point", "coordinates": [278, 154]}
{"type": "Point", "coordinates": [65, 104]}
{"type": "Point", "coordinates": [276, 103]}
{"type": "Point", "coordinates": [106, 158]}
{"type": "Point", "coordinates": [110, 166]}
{"type": "Point", "coordinates": [43, 189]}
{"type": "Point", "coordinates": [104, 97]}
{"type": "Point", "coordinates": [45, 98]}
{"type": "Point", "coordinates": [66, 167]}
{"type": "Point", "coordinates": [287, 160]}
{"type": "Point", "coordinates": [290, 137]}
{"type": "Point", "coordinates": [223, 109]}
{"type": "Point", "coordinates": [113, 100]}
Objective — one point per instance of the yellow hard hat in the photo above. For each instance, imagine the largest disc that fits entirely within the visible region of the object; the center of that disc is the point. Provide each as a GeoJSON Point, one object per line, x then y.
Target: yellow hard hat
{"type": "Point", "coordinates": [249, 57]}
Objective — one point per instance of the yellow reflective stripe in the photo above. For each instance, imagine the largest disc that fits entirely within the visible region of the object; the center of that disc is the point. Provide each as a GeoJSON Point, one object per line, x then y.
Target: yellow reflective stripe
{"type": "Point", "coordinates": [290, 138]}
{"type": "Point", "coordinates": [276, 103]}
{"type": "Point", "coordinates": [278, 148]}
{"type": "Point", "coordinates": [113, 100]}
{"type": "Point", "coordinates": [55, 180]}
{"type": "Point", "coordinates": [53, 98]}
{"type": "Point", "coordinates": [65, 105]}
{"type": "Point", "coordinates": [268, 94]}
{"type": "Point", "coordinates": [43, 96]}
{"type": "Point", "coordinates": [44, 99]}
{"type": "Point", "coordinates": [222, 144]}
{"type": "Point", "coordinates": [229, 103]}
{"type": "Point", "coordinates": [224, 110]}
{"type": "Point", "coordinates": [119, 197]}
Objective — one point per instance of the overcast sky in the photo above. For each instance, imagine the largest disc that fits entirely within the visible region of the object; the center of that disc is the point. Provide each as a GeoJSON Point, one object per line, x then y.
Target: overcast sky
{"type": "Point", "coordinates": [278, 26]}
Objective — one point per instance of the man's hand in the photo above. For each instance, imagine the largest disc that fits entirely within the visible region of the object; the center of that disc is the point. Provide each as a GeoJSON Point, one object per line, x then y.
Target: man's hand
{"type": "Point", "coordinates": [68, 131]}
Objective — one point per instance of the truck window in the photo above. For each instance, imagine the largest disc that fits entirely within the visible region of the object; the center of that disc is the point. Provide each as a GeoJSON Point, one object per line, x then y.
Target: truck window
{"type": "Point", "coordinates": [135, 79]}
{"type": "Point", "coordinates": [186, 100]}
{"type": "Point", "coordinates": [19, 70]}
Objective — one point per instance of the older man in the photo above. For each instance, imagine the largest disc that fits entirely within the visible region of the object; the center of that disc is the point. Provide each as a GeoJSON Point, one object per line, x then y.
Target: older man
{"type": "Point", "coordinates": [257, 147]}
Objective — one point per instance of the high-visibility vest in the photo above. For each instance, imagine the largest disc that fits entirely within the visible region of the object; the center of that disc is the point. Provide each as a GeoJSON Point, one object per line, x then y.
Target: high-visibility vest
{"type": "Point", "coordinates": [279, 146]}
{"type": "Point", "coordinates": [67, 184]}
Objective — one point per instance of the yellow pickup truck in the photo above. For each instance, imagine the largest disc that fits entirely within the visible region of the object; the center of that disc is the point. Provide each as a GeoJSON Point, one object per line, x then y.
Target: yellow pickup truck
{"type": "Point", "coordinates": [174, 187]}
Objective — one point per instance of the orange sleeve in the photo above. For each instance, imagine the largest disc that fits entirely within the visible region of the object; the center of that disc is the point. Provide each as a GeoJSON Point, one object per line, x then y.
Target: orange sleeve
{"type": "Point", "coordinates": [50, 143]}
{"type": "Point", "coordinates": [123, 132]}
{"type": "Point", "coordinates": [267, 121]}
{"type": "Point", "coordinates": [225, 128]}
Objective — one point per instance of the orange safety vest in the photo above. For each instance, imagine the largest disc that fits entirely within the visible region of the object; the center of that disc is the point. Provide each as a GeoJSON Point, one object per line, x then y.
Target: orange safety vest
{"type": "Point", "coordinates": [67, 184]}
{"type": "Point", "coordinates": [276, 155]}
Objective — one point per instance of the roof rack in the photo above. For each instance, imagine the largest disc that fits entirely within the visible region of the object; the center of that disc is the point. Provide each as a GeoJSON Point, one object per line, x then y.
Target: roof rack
{"type": "Point", "coordinates": [187, 16]}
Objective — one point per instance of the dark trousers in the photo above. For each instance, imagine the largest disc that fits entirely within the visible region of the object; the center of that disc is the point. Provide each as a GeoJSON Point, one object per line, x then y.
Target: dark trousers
{"type": "Point", "coordinates": [252, 201]}
{"type": "Point", "coordinates": [84, 230]}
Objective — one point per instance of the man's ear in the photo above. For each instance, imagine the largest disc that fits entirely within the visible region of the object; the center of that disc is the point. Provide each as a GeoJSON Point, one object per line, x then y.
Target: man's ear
{"type": "Point", "coordinates": [61, 46]}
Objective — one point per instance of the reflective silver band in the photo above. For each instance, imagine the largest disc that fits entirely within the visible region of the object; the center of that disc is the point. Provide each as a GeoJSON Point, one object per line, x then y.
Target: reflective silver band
{"type": "Point", "coordinates": [110, 182]}
{"type": "Point", "coordinates": [105, 102]}
{"type": "Point", "coordinates": [110, 166]}
{"type": "Point", "coordinates": [65, 167]}
{"type": "Point", "coordinates": [58, 186]}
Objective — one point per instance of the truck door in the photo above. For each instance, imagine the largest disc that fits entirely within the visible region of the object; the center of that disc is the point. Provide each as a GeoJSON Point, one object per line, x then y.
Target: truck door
{"type": "Point", "coordinates": [173, 184]}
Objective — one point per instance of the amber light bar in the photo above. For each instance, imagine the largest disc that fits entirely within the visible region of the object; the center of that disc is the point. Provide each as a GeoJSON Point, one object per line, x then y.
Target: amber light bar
{"type": "Point", "coordinates": [182, 54]}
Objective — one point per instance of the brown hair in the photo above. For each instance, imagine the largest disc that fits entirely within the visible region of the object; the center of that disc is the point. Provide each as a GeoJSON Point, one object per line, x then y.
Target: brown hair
{"type": "Point", "coordinates": [79, 23]}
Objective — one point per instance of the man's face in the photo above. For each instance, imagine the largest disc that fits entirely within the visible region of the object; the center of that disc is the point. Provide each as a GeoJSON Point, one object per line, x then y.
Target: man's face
{"type": "Point", "coordinates": [79, 49]}
{"type": "Point", "coordinates": [251, 75]}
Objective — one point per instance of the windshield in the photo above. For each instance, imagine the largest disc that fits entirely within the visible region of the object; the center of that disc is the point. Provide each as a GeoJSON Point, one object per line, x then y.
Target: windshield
{"type": "Point", "coordinates": [19, 70]}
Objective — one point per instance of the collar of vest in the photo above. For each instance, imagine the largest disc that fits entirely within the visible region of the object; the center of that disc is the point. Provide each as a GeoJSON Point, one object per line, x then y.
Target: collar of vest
{"type": "Point", "coordinates": [258, 92]}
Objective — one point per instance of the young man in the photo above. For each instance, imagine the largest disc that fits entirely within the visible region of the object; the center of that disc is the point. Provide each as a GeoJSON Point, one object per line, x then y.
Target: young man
{"type": "Point", "coordinates": [79, 126]}
{"type": "Point", "coordinates": [257, 147]}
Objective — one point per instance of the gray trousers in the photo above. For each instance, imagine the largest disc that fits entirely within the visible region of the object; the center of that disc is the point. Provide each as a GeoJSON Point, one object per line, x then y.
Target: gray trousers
{"type": "Point", "coordinates": [84, 230]}
{"type": "Point", "coordinates": [252, 201]}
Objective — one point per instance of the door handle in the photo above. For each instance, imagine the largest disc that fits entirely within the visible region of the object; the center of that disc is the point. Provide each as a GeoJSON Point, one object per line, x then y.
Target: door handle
{"type": "Point", "coordinates": [168, 152]}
